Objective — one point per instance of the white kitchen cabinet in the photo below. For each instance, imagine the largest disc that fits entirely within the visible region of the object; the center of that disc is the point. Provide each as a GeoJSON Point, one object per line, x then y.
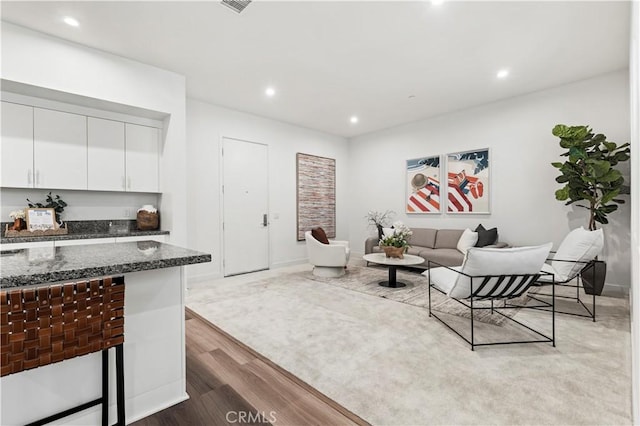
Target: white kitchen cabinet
{"type": "Point", "coordinates": [16, 149]}
{"type": "Point", "coordinates": [84, 241]}
{"type": "Point", "coordinates": [105, 155]}
{"type": "Point", "coordinates": [159, 238]}
{"type": "Point", "coordinates": [142, 158]}
{"type": "Point", "coordinates": [60, 149]}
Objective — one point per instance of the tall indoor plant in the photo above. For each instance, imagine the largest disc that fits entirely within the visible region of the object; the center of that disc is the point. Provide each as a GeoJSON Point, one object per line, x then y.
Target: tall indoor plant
{"type": "Point", "coordinates": [589, 175]}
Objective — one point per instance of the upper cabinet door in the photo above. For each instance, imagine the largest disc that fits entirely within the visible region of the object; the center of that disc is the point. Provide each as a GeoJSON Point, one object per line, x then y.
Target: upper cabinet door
{"type": "Point", "coordinates": [16, 149]}
{"type": "Point", "coordinates": [60, 149]}
{"type": "Point", "coordinates": [142, 155]}
{"type": "Point", "coordinates": [105, 157]}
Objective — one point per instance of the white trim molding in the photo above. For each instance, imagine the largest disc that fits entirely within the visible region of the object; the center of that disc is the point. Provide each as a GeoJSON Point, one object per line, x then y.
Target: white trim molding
{"type": "Point", "coordinates": [634, 76]}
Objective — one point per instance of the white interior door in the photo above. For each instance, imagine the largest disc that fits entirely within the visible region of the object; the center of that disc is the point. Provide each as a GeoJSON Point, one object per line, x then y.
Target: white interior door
{"type": "Point", "coordinates": [245, 217]}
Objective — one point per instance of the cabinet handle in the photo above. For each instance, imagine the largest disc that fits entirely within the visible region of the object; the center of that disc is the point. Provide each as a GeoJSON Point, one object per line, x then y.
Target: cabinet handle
{"type": "Point", "coordinates": [37, 177]}
{"type": "Point", "coordinates": [29, 176]}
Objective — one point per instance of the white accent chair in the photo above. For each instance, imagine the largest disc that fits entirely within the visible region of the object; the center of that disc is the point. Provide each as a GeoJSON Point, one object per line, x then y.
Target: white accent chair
{"type": "Point", "coordinates": [328, 260]}
{"type": "Point", "coordinates": [490, 274]}
{"type": "Point", "coordinates": [575, 255]}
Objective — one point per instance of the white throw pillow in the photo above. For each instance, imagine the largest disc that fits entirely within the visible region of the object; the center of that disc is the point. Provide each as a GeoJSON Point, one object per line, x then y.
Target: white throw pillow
{"type": "Point", "coordinates": [579, 246]}
{"type": "Point", "coordinates": [467, 240]}
{"type": "Point", "coordinates": [481, 262]}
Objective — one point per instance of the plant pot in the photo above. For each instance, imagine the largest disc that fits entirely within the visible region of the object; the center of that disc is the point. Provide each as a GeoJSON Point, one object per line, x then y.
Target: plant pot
{"type": "Point", "coordinates": [391, 251]}
{"type": "Point", "coordinates": [380, 232]}
{"type": "Point", "coordinates": [593, 276]}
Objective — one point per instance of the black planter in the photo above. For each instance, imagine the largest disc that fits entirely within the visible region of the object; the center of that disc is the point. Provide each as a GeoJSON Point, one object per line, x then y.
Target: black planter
{"type": "Point", "coordinates": [594, 283]}
{"type": "Point", "coordinates": [380, 232]}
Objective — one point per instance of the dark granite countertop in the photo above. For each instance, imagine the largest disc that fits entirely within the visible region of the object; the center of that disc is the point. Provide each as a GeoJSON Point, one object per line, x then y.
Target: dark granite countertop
{"type": "Point", "coordinates": [80, 236]}
{"type": "Point", "coordinates": [48, 265]}
{"type": "Point", "coordinates": [84, 230]}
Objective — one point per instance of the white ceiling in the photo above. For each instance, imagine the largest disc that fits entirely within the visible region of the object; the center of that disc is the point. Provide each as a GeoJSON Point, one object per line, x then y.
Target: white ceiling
{"type": "Point", "coordinates": [331, 60]}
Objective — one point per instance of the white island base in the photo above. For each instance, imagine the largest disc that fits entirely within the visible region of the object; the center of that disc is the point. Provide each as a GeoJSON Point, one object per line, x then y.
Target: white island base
{"type": "Point", "coordinates": [154, 362]}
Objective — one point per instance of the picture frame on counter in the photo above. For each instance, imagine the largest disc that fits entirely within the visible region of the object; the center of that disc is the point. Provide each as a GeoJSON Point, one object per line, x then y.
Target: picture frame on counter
{"type": "Point", "coordinates": [40, 219]}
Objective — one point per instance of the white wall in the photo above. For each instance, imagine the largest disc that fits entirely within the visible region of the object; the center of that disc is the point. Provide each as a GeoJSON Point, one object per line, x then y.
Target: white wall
{"type": "Point", "coordinates": [82, 205]}
{"type": "Point", "coordinates": [518, 132]}
{"type": "Point", "coordinates": [206, 126]}
{"type": "Point", "coordinates": [33, 58]}
{"type": "Point", "coordinates": [634, 65]}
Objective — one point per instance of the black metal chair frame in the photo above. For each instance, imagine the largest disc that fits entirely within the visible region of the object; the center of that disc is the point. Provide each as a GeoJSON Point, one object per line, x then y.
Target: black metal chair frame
{"type": "Point", "coordinates": [526, 280]}
{"type": "Point", "coordinates": [104, 399]}
{"type": "Point", "coordinates": [590, 313]}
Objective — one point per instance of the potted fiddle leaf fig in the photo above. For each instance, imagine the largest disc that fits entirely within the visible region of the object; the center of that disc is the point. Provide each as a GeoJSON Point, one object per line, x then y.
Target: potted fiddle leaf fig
{"type": "Point", "coordinates": [592, 179]}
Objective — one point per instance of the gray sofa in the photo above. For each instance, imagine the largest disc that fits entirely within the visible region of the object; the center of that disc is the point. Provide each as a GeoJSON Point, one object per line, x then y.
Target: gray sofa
{"type": "Point", "coordinates": [438, 245]}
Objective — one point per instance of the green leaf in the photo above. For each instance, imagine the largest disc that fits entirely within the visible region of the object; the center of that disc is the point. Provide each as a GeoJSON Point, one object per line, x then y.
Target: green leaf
{"type": "Point", "coordinates": [562, 194]}
{"type": "Point", "coordinates": [611, 176]}
{"type": "Point", "coordinates": [609, 196]}
{"type": "Point", "coordinates": [557, 165]}
{"type": "Point", "coordinates": [559, 130]}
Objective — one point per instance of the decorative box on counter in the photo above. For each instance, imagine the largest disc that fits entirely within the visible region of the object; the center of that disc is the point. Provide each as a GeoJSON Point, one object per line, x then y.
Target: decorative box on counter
{"type": "Point", "coordinates": [10, 233]}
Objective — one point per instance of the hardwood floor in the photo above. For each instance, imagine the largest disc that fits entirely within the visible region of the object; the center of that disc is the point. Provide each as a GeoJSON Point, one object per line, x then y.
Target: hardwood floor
{"type": "Point", "coordinates": [229, 383]}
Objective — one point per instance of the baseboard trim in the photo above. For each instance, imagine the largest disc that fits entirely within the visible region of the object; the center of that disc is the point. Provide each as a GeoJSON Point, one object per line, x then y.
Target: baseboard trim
{"type": "Point", "coordinates": [615, 290]}
{"type": "Point", "coordinates": [278, 265]}
{"type": "Point", "coordinates": [202, 278]}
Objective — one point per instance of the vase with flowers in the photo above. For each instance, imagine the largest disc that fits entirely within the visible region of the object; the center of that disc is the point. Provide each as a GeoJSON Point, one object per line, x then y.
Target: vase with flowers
{"type": "Point", "coordinates": [18, 217]}
{"type": "Point", "coordinates": [395, 241]}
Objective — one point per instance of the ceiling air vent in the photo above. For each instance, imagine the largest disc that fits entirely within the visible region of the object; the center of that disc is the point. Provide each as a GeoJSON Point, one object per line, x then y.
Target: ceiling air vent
{"type": "Point", "coordinates": [236, 5]}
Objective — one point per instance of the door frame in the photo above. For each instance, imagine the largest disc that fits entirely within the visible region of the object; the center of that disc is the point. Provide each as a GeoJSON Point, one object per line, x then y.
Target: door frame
{"type": "Point", "coordinates": [221, 195]}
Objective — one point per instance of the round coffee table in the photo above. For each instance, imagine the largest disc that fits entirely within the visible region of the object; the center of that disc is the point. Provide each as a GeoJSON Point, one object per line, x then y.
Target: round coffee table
{"type": "Point", "coordinates": [392, 263]}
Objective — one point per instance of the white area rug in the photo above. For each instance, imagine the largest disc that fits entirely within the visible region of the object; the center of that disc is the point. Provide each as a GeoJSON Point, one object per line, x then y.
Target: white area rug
{"type": "Point", "coordinates": [416, 293]}
{"type": "Point", "coordinates": [391, 364]}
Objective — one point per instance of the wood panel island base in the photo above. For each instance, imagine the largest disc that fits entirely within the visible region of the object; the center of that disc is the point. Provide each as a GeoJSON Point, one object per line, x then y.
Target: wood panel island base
{"type": "Point", "coordinates": [154, 344]}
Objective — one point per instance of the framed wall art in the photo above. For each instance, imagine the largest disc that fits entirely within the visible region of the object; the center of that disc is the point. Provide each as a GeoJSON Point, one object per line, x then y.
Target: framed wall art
{"type": "Point", "coordinates": [316, 194]}
{"type": "Point", "coordinates": [468, 182]}
{"type": "Point", "coordinates": [423, 185]}
{"type": "Point", "coordinates": [40, 219]}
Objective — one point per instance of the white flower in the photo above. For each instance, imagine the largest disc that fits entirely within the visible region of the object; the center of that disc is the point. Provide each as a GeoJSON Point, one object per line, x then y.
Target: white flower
{"type": "Point", "coordinates": [17, 214]}
{"type": "Point", "coordinates": [398, 238]}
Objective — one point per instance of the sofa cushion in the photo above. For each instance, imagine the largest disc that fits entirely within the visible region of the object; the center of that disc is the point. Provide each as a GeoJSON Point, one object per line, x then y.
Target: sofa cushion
{"type": "Point", "coordinates": [447, 238]}
{"type": "Point", "coordinates": [414, 250]}
{"type": "Point", "coordinates": [319, 234]}
{"type": "Point", "coordinates": [467, 240]}
{"type": "Point", "coordinates": [423, 237]}
{"type": "Point", "coordinates": [486, 237]}
{"type": "Point", "coordinates": [446, 257]}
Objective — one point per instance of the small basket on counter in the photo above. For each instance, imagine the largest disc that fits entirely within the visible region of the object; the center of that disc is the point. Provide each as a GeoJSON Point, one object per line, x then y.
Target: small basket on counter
{"type": "Point", "coordinates": [148, 218]}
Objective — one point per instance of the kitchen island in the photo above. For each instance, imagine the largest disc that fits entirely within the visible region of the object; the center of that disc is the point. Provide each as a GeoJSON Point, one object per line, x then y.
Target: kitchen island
{"type": "Point", "coordinates": [154, 344]}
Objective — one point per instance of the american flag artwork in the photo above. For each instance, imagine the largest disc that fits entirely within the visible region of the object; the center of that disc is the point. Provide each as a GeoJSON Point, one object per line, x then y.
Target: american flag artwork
{"type": "Point", "coordinates": [423, 185]}
{"type": "Point", "coordinates": [468, 182]}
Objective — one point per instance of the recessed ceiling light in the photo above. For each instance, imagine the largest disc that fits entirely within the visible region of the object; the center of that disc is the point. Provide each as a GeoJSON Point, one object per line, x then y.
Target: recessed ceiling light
{"type": "Point", "coordinates": [502, 73]}
{"type": "Point", "coordinates": [71, 21]}
{"type": "Point", "coordinates": [270, 92]}
{"type": "Point", "coordinates": [353, 119]}
{"type": "Point", "coordinates": [437, 2]}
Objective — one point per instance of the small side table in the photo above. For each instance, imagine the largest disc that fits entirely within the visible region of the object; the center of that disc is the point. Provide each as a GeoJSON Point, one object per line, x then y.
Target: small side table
{"type": "Point", "coordinates": [393, 263]}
